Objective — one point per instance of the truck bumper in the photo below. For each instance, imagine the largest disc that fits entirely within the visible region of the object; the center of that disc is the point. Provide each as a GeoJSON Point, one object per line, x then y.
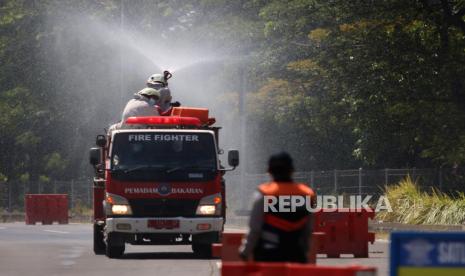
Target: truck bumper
{"type": "Point", "coordinates": [186, 225]}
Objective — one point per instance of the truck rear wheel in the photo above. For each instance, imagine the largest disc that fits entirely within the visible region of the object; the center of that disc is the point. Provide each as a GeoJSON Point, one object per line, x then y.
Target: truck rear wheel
{"type": "Point", "coordinates": [115, 245]}
{"type": "Point", "coordinates": [99, 243]}
{"type": "Point", "coordinates": [203, 250]}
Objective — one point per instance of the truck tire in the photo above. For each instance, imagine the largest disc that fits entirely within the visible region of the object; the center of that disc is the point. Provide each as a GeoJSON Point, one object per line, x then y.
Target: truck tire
{"type": "Point", "coordinates": [99, 243]}
{"type": "Point", "coordinates": [202, 250]}
{"type": "Point", "coordinates": [115, 246]}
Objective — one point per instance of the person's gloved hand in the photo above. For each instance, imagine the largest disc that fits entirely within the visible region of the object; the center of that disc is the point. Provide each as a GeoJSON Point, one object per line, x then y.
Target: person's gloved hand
{"type": "Point", "coordinates": [176, 104]}
{"type": "Point", "coordinates": [243, 256]}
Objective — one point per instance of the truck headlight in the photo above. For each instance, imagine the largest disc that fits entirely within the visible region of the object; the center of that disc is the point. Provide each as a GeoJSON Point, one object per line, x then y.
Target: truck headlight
{"type": "Point", "coordinates": [210, 205]}
{"type": "Point", "coordinates": [120, 209]}
{"type": "Point", "coordinates": [116, 205]}
{"type": "Point", "coordinates": [206, 210]}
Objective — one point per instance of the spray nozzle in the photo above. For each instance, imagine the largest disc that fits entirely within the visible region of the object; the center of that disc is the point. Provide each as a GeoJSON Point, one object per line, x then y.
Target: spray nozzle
{"type": "Point", "coordinates": [167, 75]}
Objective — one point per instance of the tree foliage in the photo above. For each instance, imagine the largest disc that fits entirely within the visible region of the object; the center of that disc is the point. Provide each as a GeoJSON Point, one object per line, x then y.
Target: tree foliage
{"type": "Point", "coordinates": [340, 84]}
{"type": "Point", "coordinates": [392, 71]}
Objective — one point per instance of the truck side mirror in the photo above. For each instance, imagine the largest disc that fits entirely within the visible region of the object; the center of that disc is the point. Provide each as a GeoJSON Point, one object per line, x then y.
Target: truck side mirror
{"type": "Point", "coordinates": [233, 158]}
{"type": "Point", "coordinates": [94, 156]}
{"type": "Point", "coordinates": [101, 141]}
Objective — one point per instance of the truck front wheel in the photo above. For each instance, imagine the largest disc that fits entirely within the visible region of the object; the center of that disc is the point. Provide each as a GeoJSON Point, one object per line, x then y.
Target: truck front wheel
{"type": "Point", "coordinates": [99, 243]}
{"type": "Point", "coordinates": [203, 250]}
{"type": "Point", "coordinates": [115, 245]}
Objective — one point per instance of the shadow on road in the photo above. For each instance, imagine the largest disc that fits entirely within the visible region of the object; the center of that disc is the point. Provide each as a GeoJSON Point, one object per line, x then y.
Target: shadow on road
{"type": "Point", "coordinates": [162, 256]}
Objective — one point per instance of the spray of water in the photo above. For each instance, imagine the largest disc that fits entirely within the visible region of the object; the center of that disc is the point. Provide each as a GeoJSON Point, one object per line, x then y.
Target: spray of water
{"type": "Point", "coordinates": [112, 62]}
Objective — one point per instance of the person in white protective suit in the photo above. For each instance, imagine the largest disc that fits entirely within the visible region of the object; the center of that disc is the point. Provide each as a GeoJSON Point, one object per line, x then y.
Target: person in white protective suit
{"type": "Point", "coordinates": [143, 104]}
{"type": "Point", "coordinates": [154, 100]}
{"type": "Point", "coordinates": [160, 83]}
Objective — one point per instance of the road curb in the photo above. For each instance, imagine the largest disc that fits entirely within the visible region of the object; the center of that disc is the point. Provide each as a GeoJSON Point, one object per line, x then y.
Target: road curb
{"type": "Point", "coordinates": [395, 226]}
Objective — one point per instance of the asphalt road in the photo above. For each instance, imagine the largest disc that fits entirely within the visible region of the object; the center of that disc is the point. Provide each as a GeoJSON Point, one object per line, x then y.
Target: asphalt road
{"type": "Point", "coordinates": [67, 250]}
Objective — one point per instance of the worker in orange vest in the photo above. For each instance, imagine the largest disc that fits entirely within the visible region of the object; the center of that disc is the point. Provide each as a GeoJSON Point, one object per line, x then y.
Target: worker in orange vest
{"type": "Point", "coordinates": [278, 235]}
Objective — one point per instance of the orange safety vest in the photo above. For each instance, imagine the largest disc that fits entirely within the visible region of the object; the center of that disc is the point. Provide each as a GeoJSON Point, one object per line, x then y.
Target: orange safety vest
{"type": "Point", "coordinates": [285, 189]}
{"type": "Point", "coordinates": [282, 231]}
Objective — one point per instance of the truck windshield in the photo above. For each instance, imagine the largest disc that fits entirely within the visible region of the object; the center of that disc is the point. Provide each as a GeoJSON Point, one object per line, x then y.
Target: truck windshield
{"type": "Point", "coordinates": [152, 155]}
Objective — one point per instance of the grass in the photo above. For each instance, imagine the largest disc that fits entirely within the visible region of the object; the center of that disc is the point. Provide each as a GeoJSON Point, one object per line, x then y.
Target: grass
{"type": "Point", "coordinates": [410, 205]}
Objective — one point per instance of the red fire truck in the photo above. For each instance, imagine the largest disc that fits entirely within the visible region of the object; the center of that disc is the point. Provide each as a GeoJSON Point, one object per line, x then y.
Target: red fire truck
{"type": "Point", "coordinates": [158, 180]}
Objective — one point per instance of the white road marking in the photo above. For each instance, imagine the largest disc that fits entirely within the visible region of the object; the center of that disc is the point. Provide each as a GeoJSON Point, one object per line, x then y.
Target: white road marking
{"type": "Point", "coordinates": [67, 262]}
{"type": "Point", "coordinates": [72, 253]}
{"type": "Point", "coordinates": [69, 255]}
{"type": "Point", "coordinates": [382, 241]}
{"type": "Point", "coordinates": [2, 228]}
{"type": "Point", "coordinates": [55, 231]}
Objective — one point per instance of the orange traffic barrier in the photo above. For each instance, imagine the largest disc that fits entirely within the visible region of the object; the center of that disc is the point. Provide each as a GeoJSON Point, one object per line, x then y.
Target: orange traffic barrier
{"type": "Point", "coordinates": [341, 231]}
{"type": "Point", "coordinates": [291, 269]}
{"type": "Point", "coordinates": [229, 249]}
{"type": "Point", "coordinates": [316, 242]}
{"type": "Point", "coordinates": [216, 250]}
{"type": "Point", "coordinates": [346, 232]}
{"type": "Point", "coordinates": [230, 246]}
{"type": "Point", "coordinates": [46, 208]}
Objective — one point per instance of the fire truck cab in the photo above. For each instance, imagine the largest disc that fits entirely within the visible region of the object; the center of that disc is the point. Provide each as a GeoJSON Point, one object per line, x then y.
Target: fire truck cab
{"type": "Point", "coordinates": [158, 180]}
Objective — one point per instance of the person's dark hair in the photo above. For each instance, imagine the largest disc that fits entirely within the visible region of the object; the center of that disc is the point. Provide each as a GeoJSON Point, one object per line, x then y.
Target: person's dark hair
{"type": "Point", "coordinates": [281, 166]}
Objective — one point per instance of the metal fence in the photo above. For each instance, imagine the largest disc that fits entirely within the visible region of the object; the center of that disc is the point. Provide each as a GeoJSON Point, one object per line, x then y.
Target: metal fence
{"type": "Point", "coordinates": [240, 187]}
{"type": "Point", "coordinates": [351, 182]}
{"type": "Point", "coordinates": [12, 193]}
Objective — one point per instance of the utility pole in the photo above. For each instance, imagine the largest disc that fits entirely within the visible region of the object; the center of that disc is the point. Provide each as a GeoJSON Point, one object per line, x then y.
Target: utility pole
{"type": "Point", "coordinates": [121, 78]}
{"type": "Point", "coordinates": [242, 127]}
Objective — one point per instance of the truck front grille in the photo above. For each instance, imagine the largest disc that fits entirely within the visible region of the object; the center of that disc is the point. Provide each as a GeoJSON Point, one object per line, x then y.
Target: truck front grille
{"type": "Point", "coordinates": [163, 207]}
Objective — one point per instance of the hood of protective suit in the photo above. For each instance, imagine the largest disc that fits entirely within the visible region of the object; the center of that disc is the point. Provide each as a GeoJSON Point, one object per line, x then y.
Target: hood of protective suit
{"type": "Point", "coordinates": [140, 106]}
{"type": "Point", "coordinates": [147, 92]}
